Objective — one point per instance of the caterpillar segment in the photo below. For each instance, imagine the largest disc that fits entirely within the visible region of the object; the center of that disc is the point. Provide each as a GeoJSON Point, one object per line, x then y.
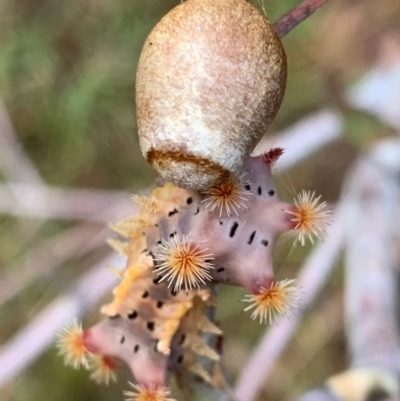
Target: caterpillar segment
{"type": "Point", "coordinates": [154, 349]}
{"type": "Point", "coordinates": [237, 242]}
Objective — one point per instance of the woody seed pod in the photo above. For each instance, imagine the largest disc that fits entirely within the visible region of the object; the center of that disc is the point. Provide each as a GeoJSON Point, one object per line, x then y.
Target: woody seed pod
{"type": "Point", "coordinates": [210, 80]}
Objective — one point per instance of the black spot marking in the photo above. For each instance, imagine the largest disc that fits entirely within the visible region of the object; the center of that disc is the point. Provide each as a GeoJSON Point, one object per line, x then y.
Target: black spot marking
{"type": "Point", "coordinates": [157, 280]}
{"type": "Point", "coordinates": [377, 394]}
{"type": "Point", "coordinates": [251, 238]}
{"type": "Point", "coordinates": [264, 242]}
{"type": "Point", "coordinates": [152, 256]}
{"type": "Point", "coordinates": [160, 304]}
{"type": "Point", "coordinates": [234, 227]}
{"type": "Point", "coordinates": [174, 293]}
{"type": "Point", "coordinates": [150, 326]}
{"type": "Point", "coordinates": [220, 270]}
{"type": "Point", "coordinates": [133, 315]}
{"type": "Point", "coordinates": [122, 340]}
{"type": "Point", "coordinates": [159, 242]}
{"type": "Point", "coordinates": [114, 316]}
{"type": "Point", "coordinates": [150, 43]}
{"type": "Point", "coordinates": [172, 212]}
{"type": "Point", "coordinates": [259, 191]}
{"type": "Point", "coordinates": [247, 187]}
{"type": "Point", "coordinates": [189, 200]}
{"type": "Point", "coordinates": [180, 359]}
{"type": "Point", "coordinates": [145, 294]}
{"type": "Point", "coordinates": [271, 192]}
{"type": "Point", "coordinates": [136, 348]}
{"type": "Point", "coordinates": [221, 222]}
{"type": "Point", "coordinates": [182, 339]}
{"type": "Point", "coordinates": [155, 225]}
{"type": "Point", "coordinates": [173, 234]}
{"type": "Point", "coordinates": [197, 211]}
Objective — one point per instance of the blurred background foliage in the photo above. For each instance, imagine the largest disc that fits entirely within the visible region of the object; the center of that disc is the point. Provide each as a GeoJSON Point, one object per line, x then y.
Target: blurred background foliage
{"type": "Point", "coordinates": [67, 76]}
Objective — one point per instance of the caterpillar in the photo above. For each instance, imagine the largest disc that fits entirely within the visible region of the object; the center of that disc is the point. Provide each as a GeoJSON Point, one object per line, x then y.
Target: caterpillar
{"type": "Point", "coordinates": [180, 245]}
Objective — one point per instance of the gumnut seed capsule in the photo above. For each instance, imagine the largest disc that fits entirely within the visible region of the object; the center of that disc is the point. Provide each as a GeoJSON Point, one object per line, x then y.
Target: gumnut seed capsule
{"type": "Point", "coordinates": [210, 79]}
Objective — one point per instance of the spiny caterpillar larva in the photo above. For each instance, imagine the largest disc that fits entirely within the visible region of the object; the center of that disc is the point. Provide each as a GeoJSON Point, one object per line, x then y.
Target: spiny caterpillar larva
{"type": "Point", "coordinates": [210, 80]}
{"type": "Point", "coordinates": [180, 245]}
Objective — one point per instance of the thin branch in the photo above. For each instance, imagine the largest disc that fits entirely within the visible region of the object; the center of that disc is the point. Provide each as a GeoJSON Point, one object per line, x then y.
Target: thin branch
{"type": "Point", "coordinates": [300, 140]}
{"type": "Point", "coordinates": [303, 138]}
{"type": "Point", "coordinates": [25, 346]}
{"type": "Point", "coordinates": [384, 77]}
{"type": "Point", "coordinates": [371, 288]}
{"type": "Point", "coordinates": [312, 278]}
{"type": "Point", "coordinates": [61, 203]}
{"type": "Point", "coordinates": [319, 394]}
{"type": "Point", "coordinates": [371, 217]}
{"type": "Point", "coordinates": [47, 256]}
{"type": "Point", "coordinates": [16, 166]}
{"type": "Point", "coordinates": [14, 162]}
{"type": "Point", "coordinates": [290, 20]}
{"type": "Point", "coordinates": [323, 326]}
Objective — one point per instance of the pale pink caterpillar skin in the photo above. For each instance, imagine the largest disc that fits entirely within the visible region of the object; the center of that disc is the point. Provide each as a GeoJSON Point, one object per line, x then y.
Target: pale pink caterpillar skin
{"type": "Point", "coordinates": [240, 241]}
{"type": "Point", "coordinates": [210, 79]}
{"type": "Point", "coordinates": [157, 331]}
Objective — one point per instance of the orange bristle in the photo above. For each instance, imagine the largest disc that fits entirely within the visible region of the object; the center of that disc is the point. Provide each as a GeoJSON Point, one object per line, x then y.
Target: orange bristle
{"type": "Point", "coordinates": [153, 393]}
{"type": "Point", "coordinates": [103, 369]}
{"type": "Point", "coordinates": [184, 263]}
{"type": "Point", "coordinates": [309, 216]}
{"type": "Point", "coordinates": [270, 302]}
{"type": "Point", "coordinates": [149, 204]}
{"type": "Point", "coordinates": [228, 197]}
{"type": "Point", "coordinates": [72, 347]}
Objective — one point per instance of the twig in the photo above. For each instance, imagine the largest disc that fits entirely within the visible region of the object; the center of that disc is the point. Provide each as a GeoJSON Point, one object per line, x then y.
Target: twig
{"type": "Point", "coordinates": [371, 216]}
{"type": "Point", "coordinates": [16, 166]}
{"type": "Point", "coordinates": [299, 141]}
{"type": "Point", "coordinates": [14, 162]}
{"type": "Point", "coordinates": [33, 339]}
{"type": "Point", "coordinates": [312, 277]}
{"type": "Point", "coordinates": [385, 79]}
{"type": "Point", "coordinates": [307, 7]}
{"type": "Point", "coordinates": [319, 394]}
{"type": "Point", "coordinates": [371, 290]}
{"type": "Point", "coordinates": [48, 255]}
{"type": "Point", "coordinates": [58, 203]}
{"type": "Point", "coordinates": [323, 325]}
{"type": "Point", "coordinates": [305, 137]}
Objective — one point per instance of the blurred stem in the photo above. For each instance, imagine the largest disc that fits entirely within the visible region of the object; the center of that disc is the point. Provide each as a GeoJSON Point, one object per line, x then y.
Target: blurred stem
{"type": "Point", "coordinates": [312, 278]}
{"type": "Point", "coordinates": [39, 333]}
{"type": "Point", "coordinates": [296, 15]}
{"type": "Point", "coordinates": [371, 288]}
{"type": "Point", "coordinates": [43, 260]}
